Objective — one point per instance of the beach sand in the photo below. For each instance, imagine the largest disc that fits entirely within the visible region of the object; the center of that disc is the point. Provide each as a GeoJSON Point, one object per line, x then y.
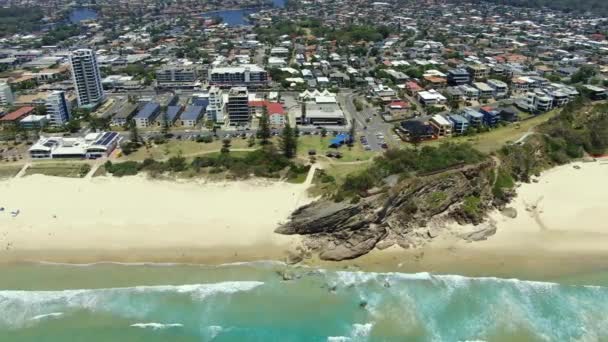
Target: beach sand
{"type": "Point", "coordinates": [561, 227]}
{"type": "Point", "coordinates": [134, 218]}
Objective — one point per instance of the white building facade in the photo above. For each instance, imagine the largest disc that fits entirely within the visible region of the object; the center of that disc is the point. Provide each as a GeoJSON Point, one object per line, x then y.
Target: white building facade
{"type": "Point", "coordinates": [57, 108]}
{"type": "Point", "coordinates": [87, 77]}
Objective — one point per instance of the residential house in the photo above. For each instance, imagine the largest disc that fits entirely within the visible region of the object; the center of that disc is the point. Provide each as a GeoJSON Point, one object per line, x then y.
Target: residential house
{"type": "Point", "coordinates": [460, 123]}
{"type": "Point", "coordinates": [441, 125]}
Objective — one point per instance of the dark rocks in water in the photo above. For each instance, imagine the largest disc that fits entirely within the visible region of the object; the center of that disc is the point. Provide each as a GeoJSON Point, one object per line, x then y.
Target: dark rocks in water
{"type": "Point", "coordinates": [363, 304]}
{"type": "Point", "coordinates": [286, 275]}
{"type": "Point", "coordinates": [342, 231]}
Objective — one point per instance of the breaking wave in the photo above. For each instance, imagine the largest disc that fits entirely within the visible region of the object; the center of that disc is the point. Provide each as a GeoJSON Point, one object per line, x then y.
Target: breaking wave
{"type": "Point", "coordinates": [156, 326]}
{"type": "Point", "coordinates": [18, 306]}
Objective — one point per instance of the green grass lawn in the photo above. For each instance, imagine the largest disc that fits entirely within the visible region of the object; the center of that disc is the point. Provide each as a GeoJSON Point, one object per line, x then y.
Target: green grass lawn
{"type": "Point", "coordinates": [321, 146]}
{"type": "Point", "coordinates": [186, 148]}
{"type": "Point", "coordinates": [9, 171]}
{"type": "Point", "coordinates": [493, 140]}
{"type": "Point", "coordinates": [72, 170]}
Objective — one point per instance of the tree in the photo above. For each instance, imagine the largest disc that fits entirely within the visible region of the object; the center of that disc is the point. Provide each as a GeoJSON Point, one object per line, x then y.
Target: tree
{"type": "Point", "coordinates": [323, 132]}
{"type": "Point", "coordinates": [96, 123]}
{"type": "Point", "coordinates": [288, 142]}
{"type": "Point", "coordinates": [264, 130]}
{"type": "Point", "coordinates": [41, 110]}
{"type": "Point", "coordinates": [353, 131]}
{"type": "Point", "coordinates": [134, 133]}
{"type": "Point", "coordinates": [165, 123]}
{"type": "Point", "coordinates": [296, 135]}
{"type": "Point", "coordinates": [225, 146]}
{"type": "Point", "coordinates": [73, 126]}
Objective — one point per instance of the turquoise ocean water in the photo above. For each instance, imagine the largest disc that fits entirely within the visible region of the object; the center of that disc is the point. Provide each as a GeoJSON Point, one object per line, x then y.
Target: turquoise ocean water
{"type": "Point", "coordinates": [252, 302]}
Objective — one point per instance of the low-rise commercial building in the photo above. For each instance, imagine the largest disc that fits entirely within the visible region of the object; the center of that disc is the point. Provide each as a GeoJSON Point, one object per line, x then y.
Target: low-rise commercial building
{"type": "Point", "coordinates": [92, 146]}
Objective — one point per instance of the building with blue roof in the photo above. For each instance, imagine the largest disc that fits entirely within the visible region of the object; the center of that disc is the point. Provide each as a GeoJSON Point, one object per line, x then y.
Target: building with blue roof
{"type": "Point", "coordinates": [171, 115]}
{"type": "Point", "coordinates": [191, 115]}
{"type": "Point", "coordinates": [475, 118]}
{"type": "Point", "coordinates": [491, 117]}
{"type": "Point", "coordinates": [459, 122]}
{"type": "Point", "coordinates": [147, 114]}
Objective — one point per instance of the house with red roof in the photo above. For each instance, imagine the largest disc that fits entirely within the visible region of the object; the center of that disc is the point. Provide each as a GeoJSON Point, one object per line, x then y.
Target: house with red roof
{"type": "Point", "coordinates": [276, 114]}
{"type": "Point", "coordinates": [14, 117]}
{"type": "Point", "coordinates": [275, 110]}
{"type": "Point", "coordinates": [399, 109]}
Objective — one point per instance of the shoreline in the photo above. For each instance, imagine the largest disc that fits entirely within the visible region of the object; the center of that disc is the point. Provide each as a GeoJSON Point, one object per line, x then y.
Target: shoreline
{"type": "Point", "coordinates": [557, 238]}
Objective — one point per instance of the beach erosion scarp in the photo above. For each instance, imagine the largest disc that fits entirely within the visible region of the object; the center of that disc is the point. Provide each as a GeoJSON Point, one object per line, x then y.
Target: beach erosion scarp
{"type": "Point", "coordinates": [138, 219]}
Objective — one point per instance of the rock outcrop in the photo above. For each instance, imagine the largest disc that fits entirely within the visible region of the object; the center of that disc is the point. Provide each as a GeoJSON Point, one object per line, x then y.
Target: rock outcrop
{"type": "Point", "coordinates": [340, 231]}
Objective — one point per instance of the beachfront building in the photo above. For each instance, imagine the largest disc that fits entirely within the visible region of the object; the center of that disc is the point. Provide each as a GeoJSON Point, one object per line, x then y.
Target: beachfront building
{"type": "Point", "coordinates": [168, 116]}
{"type": "Point", "coordinates": [216, 106]}
{"type": "Point", "coordinates": [6, 94]}
{"type": "Point", "coordinates": [147, 114]}
{"type": "Point", "coordinates": [238, 107]}
{"type": "Point", "coordinates": [459, 123]}
{"type": "Point", "coordinates": [441, 126]}
{"type": "Point", "coordinates": [596, 93]}
{"type": "Point", "coordinates": [248, 75]}
{"type": "Point", "coordinates": [92, 146]}
{"type": "Point", "coordinates": [475, 118]}
{"type": "Point", "coordinates": [320, 109]}
{"type": "Point", "coordinates": [57, 108]}
{"type": "Point", "coordinates": [87, 78]}
{"type": "Point", "coordinates": [191, 116]}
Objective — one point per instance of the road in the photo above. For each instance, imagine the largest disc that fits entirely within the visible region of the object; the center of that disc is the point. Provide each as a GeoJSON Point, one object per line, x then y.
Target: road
{"type": "Point", "coordinates": [369, 124]}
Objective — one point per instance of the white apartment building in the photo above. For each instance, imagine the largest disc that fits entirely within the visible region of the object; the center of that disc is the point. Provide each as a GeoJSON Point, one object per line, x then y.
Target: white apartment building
{"type": "Point", "coordinates": [57, 108]}
{"type": "Point", "coordinates": [6, 95]}
{"type": "Point", "coordinates": [87, 77]}
{"type": "Point", "coordinates": [216, 106]}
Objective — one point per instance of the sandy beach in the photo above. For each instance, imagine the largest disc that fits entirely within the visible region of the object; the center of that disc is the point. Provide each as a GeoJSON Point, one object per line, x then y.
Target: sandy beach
{"type": "Point", "coordinates": [561, 229]}
{"type": "Point", "coordinates": [63, 219]}
{"type": "Point", "coordinates": [560, 226]}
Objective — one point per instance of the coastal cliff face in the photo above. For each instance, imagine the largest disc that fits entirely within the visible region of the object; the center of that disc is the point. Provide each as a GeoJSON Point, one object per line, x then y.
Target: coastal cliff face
{"type": "Point", "coordinates": [405, 213]}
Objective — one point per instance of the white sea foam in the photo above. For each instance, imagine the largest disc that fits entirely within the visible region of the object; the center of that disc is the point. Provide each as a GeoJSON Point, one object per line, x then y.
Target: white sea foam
{"type": "Point", "coordinates": [213, 331]}
{"type": "Point", "coordinates": [18, 306]}
{"type": "Point", "coordinates": [338, 339]}
{"type": "Point", "coordinates": [157, 326]}
{"type": "Point", "coordinates": [358, 333]}
{"type": "Point", "coordinates": [347, 278]}
{"type": "Point", "coordinates": [49, 315]}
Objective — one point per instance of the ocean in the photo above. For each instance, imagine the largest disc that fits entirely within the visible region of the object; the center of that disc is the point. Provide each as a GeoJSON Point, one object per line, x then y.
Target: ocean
{"type": "Point", "coordinates": [270, 301]}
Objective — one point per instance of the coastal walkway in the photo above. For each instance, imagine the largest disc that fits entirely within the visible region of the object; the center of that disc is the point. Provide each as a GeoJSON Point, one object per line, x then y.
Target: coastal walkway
{"type": "Point", "coordinates": [21, 172]}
